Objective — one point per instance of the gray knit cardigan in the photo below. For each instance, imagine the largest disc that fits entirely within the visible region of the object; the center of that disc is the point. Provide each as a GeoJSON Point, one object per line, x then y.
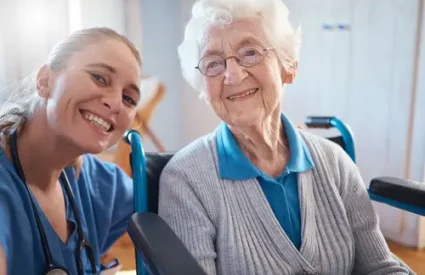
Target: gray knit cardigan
{"type": "Point", "coordinates": [230, 228]}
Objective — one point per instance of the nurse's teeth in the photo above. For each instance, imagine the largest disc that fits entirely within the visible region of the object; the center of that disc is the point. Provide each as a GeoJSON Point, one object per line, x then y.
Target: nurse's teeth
{"type": "Point", "coordinates": [99, 122]}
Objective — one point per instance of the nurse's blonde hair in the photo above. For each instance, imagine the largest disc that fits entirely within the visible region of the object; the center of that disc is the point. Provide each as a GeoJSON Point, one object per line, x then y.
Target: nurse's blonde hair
{"type": "Point", "coordinates": [24, 99]}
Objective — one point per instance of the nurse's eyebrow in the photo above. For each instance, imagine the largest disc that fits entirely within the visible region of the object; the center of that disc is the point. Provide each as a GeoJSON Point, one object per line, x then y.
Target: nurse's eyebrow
{"type": "Point", "coordinates": [113, 70]}
{"type": "Point", "coordinates": [135, 88]}
{"type": "Point", "coordinates": [104, 66]}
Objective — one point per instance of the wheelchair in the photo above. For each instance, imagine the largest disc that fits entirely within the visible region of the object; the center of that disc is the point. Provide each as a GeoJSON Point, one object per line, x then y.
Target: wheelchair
{"type": "Point", "coordinates": [158, 249]}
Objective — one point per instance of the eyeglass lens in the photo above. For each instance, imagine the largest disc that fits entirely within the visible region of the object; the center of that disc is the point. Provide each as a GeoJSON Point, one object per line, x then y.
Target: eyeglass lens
{"type": "Point", "coordinates": [246, 56]}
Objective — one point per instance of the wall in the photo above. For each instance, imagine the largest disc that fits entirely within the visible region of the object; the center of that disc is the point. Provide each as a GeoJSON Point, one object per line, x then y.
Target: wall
{"type": "Point", "coordinates": [3, 69]}
{"type": "Point", "coordinates": [418, 111]}
{"type": "Point", "coordinates": [123, 16]}
{"type": "Point", "coordinates": [160, 35]}
{"type": "Point", "coordinates": [417, 156]}
{"type": "Point", "coordinates": [97, 13]}
{"type": "Point", "coordinates": [26, 36]}
{"type": "Point", "coordinates": [133, 21]}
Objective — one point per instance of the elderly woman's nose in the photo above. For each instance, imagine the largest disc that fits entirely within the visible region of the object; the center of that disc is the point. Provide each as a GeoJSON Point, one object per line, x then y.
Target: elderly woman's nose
{"type": "Point", "coordinates": [234, 73]}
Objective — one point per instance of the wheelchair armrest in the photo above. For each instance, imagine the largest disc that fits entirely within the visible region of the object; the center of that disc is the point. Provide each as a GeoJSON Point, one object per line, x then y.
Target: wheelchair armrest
{"type": "Point", "coordinates": [400, 190]}
{"type": "Point", "coordinates": [162, 251]}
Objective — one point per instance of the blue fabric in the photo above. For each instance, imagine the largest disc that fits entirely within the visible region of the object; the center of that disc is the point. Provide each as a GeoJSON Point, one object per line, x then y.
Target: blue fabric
{"type": "Point", "coordinates": [104, 196]}
{"type": "Point", "coordinates": [282, 191]}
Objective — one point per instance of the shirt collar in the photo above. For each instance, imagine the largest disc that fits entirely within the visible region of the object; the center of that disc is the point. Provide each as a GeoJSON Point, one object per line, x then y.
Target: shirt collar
{"type": "Point", "coordinates": [234, 165]}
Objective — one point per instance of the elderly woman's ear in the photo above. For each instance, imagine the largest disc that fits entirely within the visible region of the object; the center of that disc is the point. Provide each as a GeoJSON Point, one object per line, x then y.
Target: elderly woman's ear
{"type": "Point", "coordinates": [288, 74]}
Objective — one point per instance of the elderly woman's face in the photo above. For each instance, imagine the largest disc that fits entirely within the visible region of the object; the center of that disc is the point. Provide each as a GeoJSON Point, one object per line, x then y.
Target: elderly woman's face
{"type": "Point", "coordinates": [242, 95]}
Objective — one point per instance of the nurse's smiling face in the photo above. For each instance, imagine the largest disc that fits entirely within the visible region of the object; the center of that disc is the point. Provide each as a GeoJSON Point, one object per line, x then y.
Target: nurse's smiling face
{"type": "Point", "coordinates": [92, 100]}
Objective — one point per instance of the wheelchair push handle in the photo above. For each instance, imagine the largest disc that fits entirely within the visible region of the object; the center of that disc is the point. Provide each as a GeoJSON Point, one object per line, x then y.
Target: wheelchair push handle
{"type": "Point", "coordinates": [319, 122]}
{"type": "Point", "coordinates": [127, 135]}
{"type": "Point", "coordinates": [326, 122]}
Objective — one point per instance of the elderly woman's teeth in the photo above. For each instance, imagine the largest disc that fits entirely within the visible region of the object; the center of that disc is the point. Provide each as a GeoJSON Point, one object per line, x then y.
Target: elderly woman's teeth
{"type": "Point", "coordinates": [97, 121]}
{"type": "Point", "coordinates": [250, 92]}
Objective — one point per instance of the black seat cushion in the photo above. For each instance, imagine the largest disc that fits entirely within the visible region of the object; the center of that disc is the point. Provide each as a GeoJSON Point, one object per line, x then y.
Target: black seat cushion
{"type": "Point", "coordinates": [155, 162]}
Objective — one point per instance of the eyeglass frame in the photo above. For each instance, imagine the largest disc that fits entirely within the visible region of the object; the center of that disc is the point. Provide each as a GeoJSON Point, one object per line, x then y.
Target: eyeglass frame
{"type": "Point", "coordinates": [265, 50]}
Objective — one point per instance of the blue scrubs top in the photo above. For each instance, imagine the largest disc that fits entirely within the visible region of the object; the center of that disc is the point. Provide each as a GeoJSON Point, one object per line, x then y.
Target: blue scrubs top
{"type": "Point", "coordinates": [282, 191]}
{"type": "Point", "coordinates": [104, 197]}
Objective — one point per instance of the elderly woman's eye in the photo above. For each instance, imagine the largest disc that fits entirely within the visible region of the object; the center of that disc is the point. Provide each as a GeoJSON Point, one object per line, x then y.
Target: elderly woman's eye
{"type": "Point", "coordinates": [251, 52]}
{"type": "Point", "coordinates": [99, 79]}
{"type": "Point", "coordinates": [244, 52]}
{"type": "Point", "coordinates": [215, 66]}
{"type": "Point", "coordinates": [250, 55]}
{"type": "Point", "coordinates": [212, 64]}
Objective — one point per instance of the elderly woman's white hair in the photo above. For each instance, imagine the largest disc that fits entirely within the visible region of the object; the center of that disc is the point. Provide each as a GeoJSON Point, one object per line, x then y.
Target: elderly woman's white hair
{"type": "Point", "coordinates": [274, 18]}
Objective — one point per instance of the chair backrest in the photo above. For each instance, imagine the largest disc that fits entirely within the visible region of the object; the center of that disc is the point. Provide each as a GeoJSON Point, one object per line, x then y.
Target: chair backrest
{"type": "Point", "coordinates": [155, 162]}
{"type": "Point", "coordinates": [338, 140]}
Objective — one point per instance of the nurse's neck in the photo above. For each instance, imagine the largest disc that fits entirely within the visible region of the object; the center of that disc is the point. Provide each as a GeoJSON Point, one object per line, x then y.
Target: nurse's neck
{"type": "Point", "coordinates": [43, 155]}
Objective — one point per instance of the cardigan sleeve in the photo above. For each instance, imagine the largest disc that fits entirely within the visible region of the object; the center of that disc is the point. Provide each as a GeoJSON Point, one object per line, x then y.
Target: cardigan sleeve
{"type": "Point", "coordinates": [185, 213]}
{"type": "Point", "coordinates": [372, 255]}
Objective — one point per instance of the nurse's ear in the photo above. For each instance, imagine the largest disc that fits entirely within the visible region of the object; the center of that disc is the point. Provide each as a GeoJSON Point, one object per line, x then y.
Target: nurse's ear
{"type": "Point", "coordinates": [44, 77]}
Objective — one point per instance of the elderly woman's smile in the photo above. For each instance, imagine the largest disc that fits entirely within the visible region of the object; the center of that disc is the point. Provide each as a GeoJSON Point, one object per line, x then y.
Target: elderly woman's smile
{"type": "Point", "coordinates": [243, 95]}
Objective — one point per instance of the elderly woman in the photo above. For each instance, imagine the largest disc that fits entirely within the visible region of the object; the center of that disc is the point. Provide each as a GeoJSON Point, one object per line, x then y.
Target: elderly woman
{"type": "Point", "coordinates": [257, 195]}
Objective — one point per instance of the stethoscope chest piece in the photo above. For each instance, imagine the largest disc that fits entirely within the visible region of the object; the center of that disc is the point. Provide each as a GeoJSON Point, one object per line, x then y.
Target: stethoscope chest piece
{"type": "Point", "coordinates": [57, 271]}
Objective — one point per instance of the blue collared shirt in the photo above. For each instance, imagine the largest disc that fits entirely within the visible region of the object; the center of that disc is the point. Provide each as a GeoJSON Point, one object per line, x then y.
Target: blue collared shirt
{"type": "Point", "coordinates": [282, 191]}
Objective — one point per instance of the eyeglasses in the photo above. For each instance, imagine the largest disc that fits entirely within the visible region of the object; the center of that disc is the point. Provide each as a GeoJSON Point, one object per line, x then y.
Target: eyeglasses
{"type": "Point", "coordinates": [247, 56]}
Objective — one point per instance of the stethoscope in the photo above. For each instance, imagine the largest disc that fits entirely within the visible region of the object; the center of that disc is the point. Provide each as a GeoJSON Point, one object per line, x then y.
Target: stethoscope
{"type": "Point", "coordinates": [51, 268]}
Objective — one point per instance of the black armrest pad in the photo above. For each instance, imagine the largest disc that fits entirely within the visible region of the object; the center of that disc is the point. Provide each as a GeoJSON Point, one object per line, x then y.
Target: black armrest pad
{"type": "Point", "coordinates": [161, 249]}
{"type": "Point", "coordinates": [405, 191]}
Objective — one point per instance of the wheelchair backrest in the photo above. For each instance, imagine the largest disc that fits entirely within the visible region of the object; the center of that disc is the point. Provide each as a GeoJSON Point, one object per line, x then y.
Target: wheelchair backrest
{"type": "Point", "coordinates": [155, 162]}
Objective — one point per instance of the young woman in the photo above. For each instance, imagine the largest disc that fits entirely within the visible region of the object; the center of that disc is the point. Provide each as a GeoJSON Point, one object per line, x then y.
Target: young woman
{"type": "Point", "coordinates": [60, 208]}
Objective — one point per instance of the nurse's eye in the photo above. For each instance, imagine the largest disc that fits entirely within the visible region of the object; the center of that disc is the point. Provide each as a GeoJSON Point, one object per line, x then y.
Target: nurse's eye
{"type": "Point", "coordinates": [129, 100]}
{"type": "Point", "coordinates": [99, 79]}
